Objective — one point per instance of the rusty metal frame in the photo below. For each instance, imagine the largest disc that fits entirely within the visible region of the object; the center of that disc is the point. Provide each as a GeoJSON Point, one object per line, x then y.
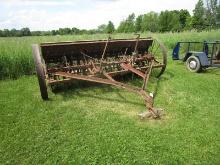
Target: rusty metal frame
{"type": "Point", "coordinates": [92, 69]}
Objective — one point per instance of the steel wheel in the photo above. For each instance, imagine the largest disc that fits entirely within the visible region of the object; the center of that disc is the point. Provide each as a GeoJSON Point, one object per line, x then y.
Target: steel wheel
{"type": "Point", "coordinates": [193, 64]}
{"type": "Point", "coordinates": [158, 51]}
{"type": "Point", "coordinates": [40, 72]}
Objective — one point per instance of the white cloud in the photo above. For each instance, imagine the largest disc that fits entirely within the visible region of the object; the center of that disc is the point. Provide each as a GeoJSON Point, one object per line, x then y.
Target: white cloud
{"type": "Point", "coordinates": [37, 2]}
{"type": "Point", "coordinates": [44, 15]}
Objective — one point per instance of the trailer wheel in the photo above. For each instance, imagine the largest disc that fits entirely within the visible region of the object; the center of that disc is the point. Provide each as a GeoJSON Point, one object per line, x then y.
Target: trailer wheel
{"type": "Point", "coordinates": [193, 64]}
{"type": "Point", "coordinates": [40, 72]}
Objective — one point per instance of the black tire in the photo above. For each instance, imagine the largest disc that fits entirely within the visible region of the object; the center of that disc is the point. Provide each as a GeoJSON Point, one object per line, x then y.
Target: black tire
{"type": "Point", "coordinates": [193, 64]}
{"type": "Point", "coordinates": [40, 72]}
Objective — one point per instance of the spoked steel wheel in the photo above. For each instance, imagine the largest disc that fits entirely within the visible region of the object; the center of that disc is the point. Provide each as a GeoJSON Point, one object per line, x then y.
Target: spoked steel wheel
{"type": "Point", "coordinates": [40, 72]}
{"type": "Point", "coordinates": [158, 51]}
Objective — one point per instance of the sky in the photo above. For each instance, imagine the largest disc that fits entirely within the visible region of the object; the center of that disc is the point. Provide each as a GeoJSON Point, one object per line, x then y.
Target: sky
{"type": "Point", "coordinates": [83, 14]}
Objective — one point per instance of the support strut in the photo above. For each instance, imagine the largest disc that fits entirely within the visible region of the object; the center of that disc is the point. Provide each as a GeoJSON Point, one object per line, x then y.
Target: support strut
{"type": "Point", "coordinates": [110, 81]}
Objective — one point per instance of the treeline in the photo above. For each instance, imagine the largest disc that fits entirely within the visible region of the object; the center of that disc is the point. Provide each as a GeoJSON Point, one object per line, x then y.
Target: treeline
{"type": "Point", "coordinates": [206, 15]}
{"type": "Point", "coordinates": [26, 32]}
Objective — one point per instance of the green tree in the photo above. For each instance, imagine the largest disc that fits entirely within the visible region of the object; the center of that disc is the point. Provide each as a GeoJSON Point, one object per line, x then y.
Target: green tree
{"type": "Point", "coordinates": [15, 33]}
{"type": "Point", "coordinates": [5, 33]}
{"type": "Point", "coordinates": [150, 22]}
{"type": "Point", "coordinates": [25, 32]}
{"type": "Point", "coordinates": [64, 31]}
{"type": "Point", "coordinates": [128, 25]}
{"type": "Point", "coordinates": [138, 23]}
{"type": "Point", "coordinates": [169, 21]}
{"type": "Point", "coordinates": [91, 31]}
{"type": "Point", "coordinates": [184, 16]}
{"type": "Point", "coordinates": [211, 12]}
{"type": "Point", "coordinates": [102, 28]}
{"type": "Point", "coordinates": [54, 32]}
{"type": "Point", "coordinates": [218, 15]}
{"type": "Point", "coordinates": [75, 30]}
{"type": "Point", "coordinates": [121, 27]}
{"type": "Point", "coordinates": [198, 21]}
{"type": "Point", "coordinates": [37, 33]}
{"type": "Point", "coordinates": [110, 28]}
{"type": "Point", "coordinates": [189, 24]}
{"type": "Point", "coordinates": [175, 21]}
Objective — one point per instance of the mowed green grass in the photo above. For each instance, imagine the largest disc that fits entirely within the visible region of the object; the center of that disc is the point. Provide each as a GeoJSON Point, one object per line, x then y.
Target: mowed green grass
{"type": "Point", "coordinates": [99, 124]}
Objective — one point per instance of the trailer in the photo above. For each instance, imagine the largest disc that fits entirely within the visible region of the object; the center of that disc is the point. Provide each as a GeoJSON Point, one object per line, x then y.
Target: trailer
{"type": "Point", "coordinates": [198, 55]}
{"type": "Point", "coordinates": [100, 61]}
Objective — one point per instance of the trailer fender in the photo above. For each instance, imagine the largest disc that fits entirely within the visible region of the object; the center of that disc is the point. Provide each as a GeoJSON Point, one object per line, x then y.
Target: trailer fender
{"type": "Point", "coordinates": [175, 54]}
{"type": "Point", "coordinates": [203, 59]}
{"type": "Point", "coordinates": [188, 54]}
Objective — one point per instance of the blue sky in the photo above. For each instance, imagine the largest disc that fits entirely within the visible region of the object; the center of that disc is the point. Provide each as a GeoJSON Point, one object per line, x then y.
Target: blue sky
{"type": "Point", "coordinates": [84, 14]}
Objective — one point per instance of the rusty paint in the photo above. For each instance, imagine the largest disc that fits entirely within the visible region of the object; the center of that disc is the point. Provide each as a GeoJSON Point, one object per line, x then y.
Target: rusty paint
{"type": "Point", "coordinates": [99, 61]}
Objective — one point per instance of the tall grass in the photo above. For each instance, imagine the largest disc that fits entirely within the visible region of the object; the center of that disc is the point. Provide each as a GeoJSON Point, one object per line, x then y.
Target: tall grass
{"type": "Point", "coordinates": [16, 56]}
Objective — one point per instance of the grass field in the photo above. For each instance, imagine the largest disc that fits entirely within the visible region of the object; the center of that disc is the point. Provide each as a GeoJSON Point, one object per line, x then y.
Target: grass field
{"type": "Point", "coordinates": [99, 124]}
{"type": "Point", "coordinates": [16, 59]}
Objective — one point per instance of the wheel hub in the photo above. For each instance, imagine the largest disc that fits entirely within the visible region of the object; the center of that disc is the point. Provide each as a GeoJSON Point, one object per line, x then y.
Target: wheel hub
{"type": "Point", "coordinates": [192, 64]}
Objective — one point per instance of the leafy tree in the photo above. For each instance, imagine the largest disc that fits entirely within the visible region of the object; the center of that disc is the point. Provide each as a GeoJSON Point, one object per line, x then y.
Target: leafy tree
{"type": "Point", "coordinates": [169, 21]}
{"type": "Point", "coordinates": [25, 32]}
{"type": "Point", "coordinates": [175, 21]}
{"type": "Point", "coordinates": [110, 28]}
{"type": "Point", "coordinates": [189, 23]}
{"type": "Point", "coordinates": [6, 33]}
{"type": "Point", "coordinates": [211, 11]}
{"type": "Point", "coordinates": [54, 32]}
{"type": "Point", "coordinates": [121, 27]}
{"type": "Point", "coordinates": [37, 33]}
{"type": "Point", "coordinates": [164, 21]}
{"type": "Point", "coordinates": [138, 23]}
{"type": "Point", "coordinates": [83, 31]}
{"type": "Point", "coordinates": [184, 16]}
{"type": "Point", "coordinates": [150, 22]}
{"type": "Point", "coordinates": [218, 15]}
{"type": "Point", "coordinates": [102, 28]}
{"type": "Point", "coordinates": [47, 33]}
{"type": "Point", "coordinates": [212, 7]}
{"type": "Point", "coordinates": [64, 31]}
{"type": "Point", "coordinates": [91, 31]}
{"type": "Point", "coordinates": [128, 25]}
{"type": "Point", "coordinates": [198, 21]}
{"type": "Point", "coordinates": [75, 30]}
{"type": "Point", "coordinates": [15, 33]}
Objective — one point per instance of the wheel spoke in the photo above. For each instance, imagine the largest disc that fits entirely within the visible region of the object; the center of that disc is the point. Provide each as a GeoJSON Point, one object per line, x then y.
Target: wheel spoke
{"type": "Point", "coordinates": [157, 50]}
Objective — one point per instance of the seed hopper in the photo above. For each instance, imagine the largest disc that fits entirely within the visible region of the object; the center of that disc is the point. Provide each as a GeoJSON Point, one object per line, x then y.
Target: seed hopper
{"type": "Point", "coordinates": [100, 61]}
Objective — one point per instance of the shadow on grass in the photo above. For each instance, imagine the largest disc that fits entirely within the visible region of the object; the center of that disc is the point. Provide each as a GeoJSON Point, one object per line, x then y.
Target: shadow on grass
{"type": "Point", "coordinates": [179, 63]}
{"type": "Point", "coordinates": [80, 88]}
{"type": "Point", "coordinates": [167, 76]}
{"type": "Point", "coordinates": [214, 71]}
